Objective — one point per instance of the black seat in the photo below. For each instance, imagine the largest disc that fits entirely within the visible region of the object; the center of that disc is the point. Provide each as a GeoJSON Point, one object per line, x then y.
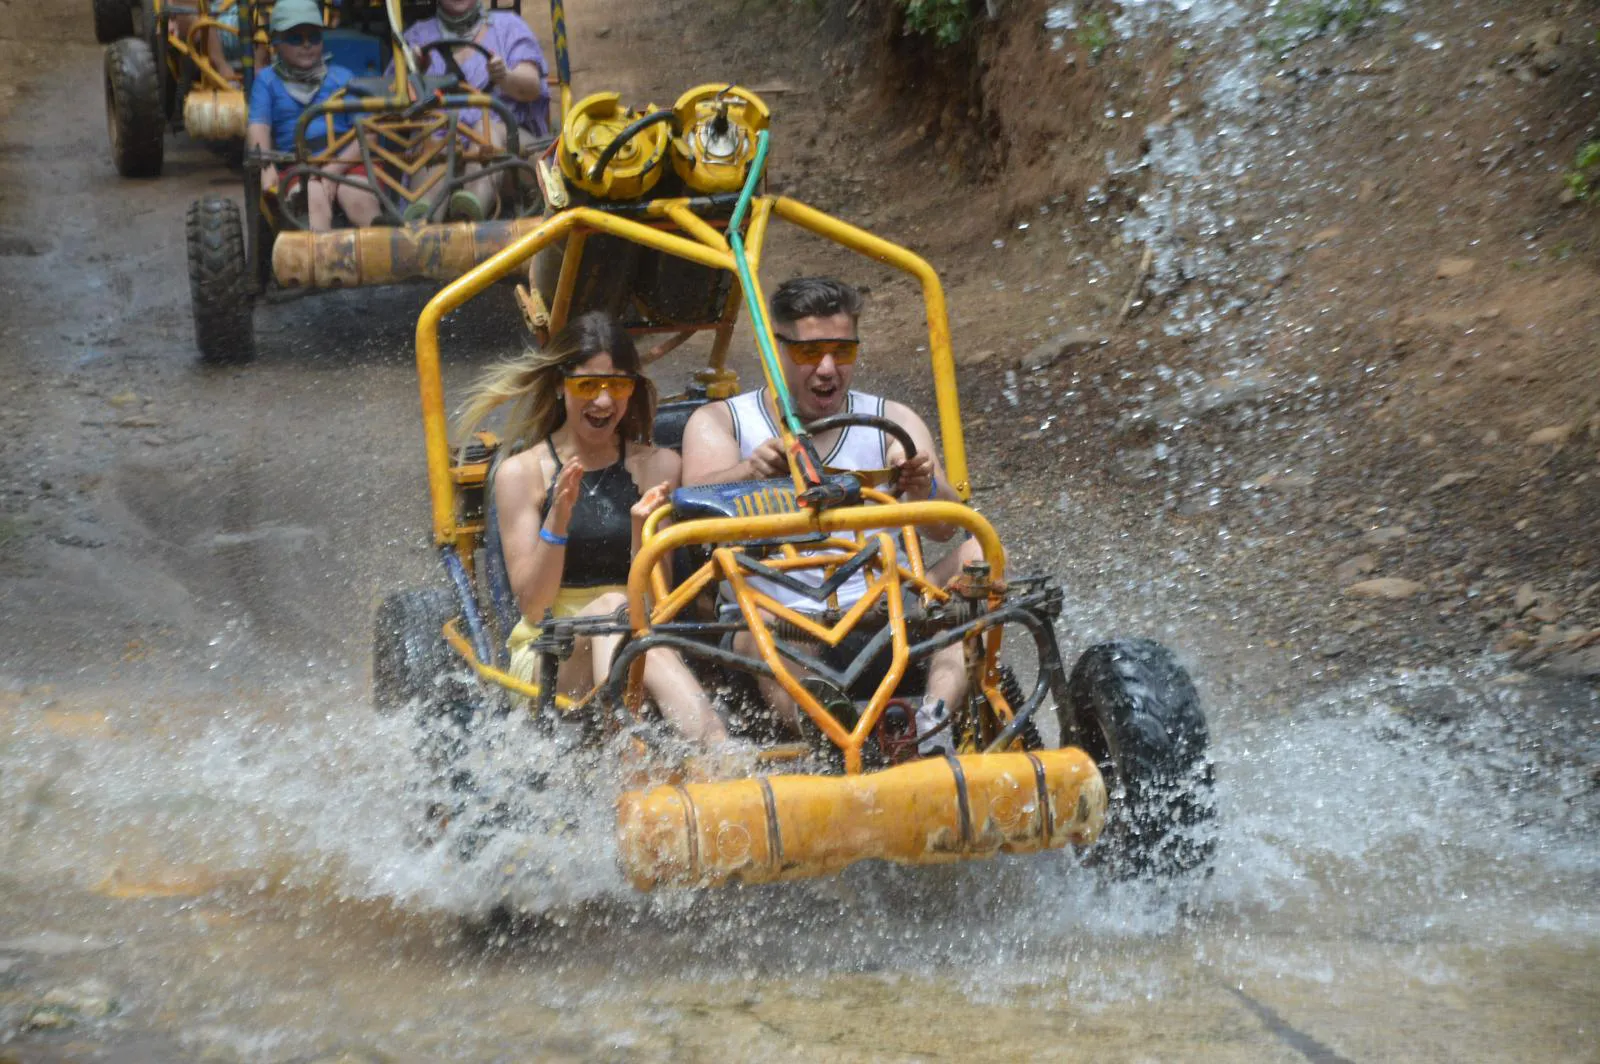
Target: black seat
{"type": "Point", "coordinates": [672, 418]}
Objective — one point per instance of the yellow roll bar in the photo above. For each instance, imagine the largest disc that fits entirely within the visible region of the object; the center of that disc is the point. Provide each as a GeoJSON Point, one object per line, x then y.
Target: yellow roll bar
{"type": "Point", "coordinates": [699, 243]}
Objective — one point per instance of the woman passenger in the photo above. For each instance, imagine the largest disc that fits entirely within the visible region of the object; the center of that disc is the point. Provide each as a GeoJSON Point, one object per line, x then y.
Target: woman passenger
{"type": "Point", "coordinates": [573, 502]}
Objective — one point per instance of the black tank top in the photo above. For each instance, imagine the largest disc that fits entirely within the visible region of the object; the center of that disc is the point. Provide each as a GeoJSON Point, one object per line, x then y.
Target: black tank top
{"type": "Point", "coordinates": [600, 532]}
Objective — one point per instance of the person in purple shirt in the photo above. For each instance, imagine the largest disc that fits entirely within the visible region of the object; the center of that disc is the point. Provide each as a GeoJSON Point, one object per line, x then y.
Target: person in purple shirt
{"type": "Point", "coordinates": [514, 74]}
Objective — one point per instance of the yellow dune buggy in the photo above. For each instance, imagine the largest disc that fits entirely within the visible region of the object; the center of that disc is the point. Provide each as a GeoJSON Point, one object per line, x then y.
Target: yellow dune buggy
{"type": "Point", "coordinates": [417, 137]}
{"type": "Point", "coordinates": [665, 209]}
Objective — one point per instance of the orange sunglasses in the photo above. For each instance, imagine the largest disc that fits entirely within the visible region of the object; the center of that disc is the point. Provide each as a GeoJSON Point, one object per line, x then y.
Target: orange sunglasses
{"type": "Point", "coordinates": [811, 352]}
{"type": "Point", "coordinates": [586, 387]}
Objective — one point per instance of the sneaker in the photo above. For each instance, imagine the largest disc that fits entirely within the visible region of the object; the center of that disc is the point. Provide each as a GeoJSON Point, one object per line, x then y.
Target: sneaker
{"type": "Point", "coordinates": [464, 207]}
{"type": "Point", "coordinates": [418, 211]}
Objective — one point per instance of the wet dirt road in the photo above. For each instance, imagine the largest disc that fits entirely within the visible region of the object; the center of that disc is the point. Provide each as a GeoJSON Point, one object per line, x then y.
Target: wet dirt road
{"type": "Point", "coordinates": [202, 844]}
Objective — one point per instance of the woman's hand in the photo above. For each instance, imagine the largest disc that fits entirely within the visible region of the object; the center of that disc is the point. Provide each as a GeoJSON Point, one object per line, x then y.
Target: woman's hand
{"type": "Point", "coordinates": [647, 504]}
{"type": "Point", "coordinates": [563, 494]}
{"type": "Point", "coordinates": [652, 500]}
{"type": "Point", "coordinates": [497, 70]}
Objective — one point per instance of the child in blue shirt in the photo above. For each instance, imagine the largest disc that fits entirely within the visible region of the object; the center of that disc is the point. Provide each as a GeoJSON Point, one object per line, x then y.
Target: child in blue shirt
{"type": "Point", "coordinates": [300, 78]}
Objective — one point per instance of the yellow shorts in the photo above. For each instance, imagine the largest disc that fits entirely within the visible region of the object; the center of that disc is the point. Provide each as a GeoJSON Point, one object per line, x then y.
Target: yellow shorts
{"type": "Point", "coordinates": [570, 602]}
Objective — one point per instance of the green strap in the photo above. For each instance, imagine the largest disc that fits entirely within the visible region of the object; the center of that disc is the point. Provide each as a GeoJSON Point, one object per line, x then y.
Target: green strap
{"type": "Point", "coordinates": [752, 297]}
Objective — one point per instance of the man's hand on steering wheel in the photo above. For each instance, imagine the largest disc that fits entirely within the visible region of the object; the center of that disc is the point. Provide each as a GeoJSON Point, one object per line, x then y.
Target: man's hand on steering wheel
{"type": "Point", "coordinates": [915, 481]}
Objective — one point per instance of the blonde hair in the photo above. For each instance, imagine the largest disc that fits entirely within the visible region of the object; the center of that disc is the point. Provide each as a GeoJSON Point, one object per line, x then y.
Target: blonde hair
{"type": "Point", "coordinates": [531, 384]}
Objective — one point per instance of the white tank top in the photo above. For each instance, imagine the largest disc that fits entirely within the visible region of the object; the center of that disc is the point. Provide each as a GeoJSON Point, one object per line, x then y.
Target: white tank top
{"type": "Point", "coordinates": [857, 447]}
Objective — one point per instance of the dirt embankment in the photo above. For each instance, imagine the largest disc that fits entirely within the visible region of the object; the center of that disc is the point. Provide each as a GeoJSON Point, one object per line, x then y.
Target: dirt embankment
{"type": "Point", "coordinates": [1303, 314]}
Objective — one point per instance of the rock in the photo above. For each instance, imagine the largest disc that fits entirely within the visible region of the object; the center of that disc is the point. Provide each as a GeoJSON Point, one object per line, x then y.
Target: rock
{"type": "Point", "coordinates": [1333, 646]}
{"type": "Point", "coordinates": [1449, 480]}
{"type": "Point", "coordinates": [1449, 269]}
{"type": "Point", "coordinates": [1325, 235]}
{"type": "Point", "coordinates": [1073, 341]}
{"type": "Point", "coordinates": [1353, 568]}
{"type": "Point", "coordinates": [1524, 599]}
{"type": "Point", "coordinates": [975, 358]}
{"type": "Point", "coordinates": [1380, 537]}
{"type": "Point", "coordinates": [1546, 612]}
{"type": "Point", "coordinates": [1582, 663]}
{"type": "Point", "coordinates": [1385, 587]}
{"type": "Point", "coordinates": [1517, 640]}
{"type": "Point", "coordinates": [1555, 435]}
{"type": "Point", "coordinates": [1367, 192]}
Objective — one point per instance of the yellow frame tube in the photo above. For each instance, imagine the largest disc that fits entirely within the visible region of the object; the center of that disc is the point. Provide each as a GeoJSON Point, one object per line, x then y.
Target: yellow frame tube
{"type": "Point", "coordinates": [463, 646]}
{"type": "Point", "coordinates": [435, 427]}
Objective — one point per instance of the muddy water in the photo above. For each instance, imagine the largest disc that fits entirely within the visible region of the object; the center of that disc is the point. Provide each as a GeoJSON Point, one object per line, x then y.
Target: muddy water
{"type": "Point", "coordinates": [205, 842]}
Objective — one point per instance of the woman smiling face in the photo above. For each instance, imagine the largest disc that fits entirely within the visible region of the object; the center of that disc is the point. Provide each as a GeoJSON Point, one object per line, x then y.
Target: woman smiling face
{"type": "Point", "coordinates": [597, 418]}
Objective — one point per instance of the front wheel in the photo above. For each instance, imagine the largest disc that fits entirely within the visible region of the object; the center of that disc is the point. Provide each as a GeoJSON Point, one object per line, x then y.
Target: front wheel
{"type": "Point", "coordinates": [219, 282]}
{"type": "Point", "coordinates": [1134, 710]}
{"type": "Point", "coordinates": [134, 118]}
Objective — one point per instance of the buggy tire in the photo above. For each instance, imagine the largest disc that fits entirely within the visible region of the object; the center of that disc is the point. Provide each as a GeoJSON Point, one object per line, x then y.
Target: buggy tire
{"type": "Point", "coordinates": [219, 282]}
{"type": "Point", "coordinates": [412, 665]}
{"type": "Point", "coordinates": [113, 20]}
{"type": "Point", "coordinates": [1134, 710]}
{"type": "Point", "coordinates": [135, 121]}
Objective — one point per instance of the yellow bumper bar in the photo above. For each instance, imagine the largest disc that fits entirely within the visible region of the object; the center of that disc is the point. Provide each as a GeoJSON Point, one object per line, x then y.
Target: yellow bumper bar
{"type": "Point", "coordinates": [215, 114]}
{"type": "Point", "coordinates": [932, 811]}
{"type": "Point", "coordinates": [346, 258]}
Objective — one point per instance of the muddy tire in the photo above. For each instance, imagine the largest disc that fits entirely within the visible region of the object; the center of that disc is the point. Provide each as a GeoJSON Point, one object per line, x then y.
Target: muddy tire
{"type": "Point", "coordinates": [1135, 711]}
{"type": "Point", "coordinates": [219, 283]}
{"type": "Point", "coordinates": [113, 20]}
{"type": "Point", "coordinates": [135, 121]}
{"type": "Point", "coordinates": [412, 665]}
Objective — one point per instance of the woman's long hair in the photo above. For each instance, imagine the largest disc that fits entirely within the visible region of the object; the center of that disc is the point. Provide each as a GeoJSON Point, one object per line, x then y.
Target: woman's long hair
{"type": "Point", "coordinates": [531, 384]}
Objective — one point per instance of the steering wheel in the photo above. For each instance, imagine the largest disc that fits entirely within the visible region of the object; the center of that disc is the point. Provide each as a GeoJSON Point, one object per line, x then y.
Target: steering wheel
{"type": "Point", "coordinates": [889, 428]}
{"type": "Point", "coordinates": [447, 48]}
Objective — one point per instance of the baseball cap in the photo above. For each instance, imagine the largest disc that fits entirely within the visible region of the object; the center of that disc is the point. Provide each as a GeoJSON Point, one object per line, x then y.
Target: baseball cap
{"type": "Point", "coordinates": [287, 14]}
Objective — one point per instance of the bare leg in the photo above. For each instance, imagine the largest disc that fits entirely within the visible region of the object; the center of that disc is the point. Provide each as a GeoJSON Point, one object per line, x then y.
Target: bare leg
{"type": "Point", "coordinates": [359, 204]}
{"type": "Point", "coordinates": [319, 205]}
{"type": "Point", "coordinates": [668, 680]}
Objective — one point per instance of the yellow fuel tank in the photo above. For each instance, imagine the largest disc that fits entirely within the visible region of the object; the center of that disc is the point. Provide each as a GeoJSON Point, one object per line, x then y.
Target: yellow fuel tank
{"type": "Point", "coordinates": [210, 114]}
{"type": "Point", "coordinates": [719, 124]}
{"type": "Point", "coordinates": [589, 130]}
{"type": "Point", "coordinates": [933, 811]}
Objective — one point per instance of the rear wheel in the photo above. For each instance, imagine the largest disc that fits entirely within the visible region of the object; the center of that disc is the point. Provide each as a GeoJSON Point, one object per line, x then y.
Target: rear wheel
{"type": "Point", "coordinates": [219, 282]}
{"type": "Point", "coordinates": [134, 119]}
{"type": "Point", "coordinates": [1135, 711]}
{"type": "Point", "coordinates": [113, 20]}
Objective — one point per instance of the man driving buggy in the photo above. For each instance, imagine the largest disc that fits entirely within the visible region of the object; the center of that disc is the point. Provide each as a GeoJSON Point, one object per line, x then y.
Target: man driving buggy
{"type": "Point", "coordinates": [299, 78]}
{"type": "Point", "coordinates": [815, 321]}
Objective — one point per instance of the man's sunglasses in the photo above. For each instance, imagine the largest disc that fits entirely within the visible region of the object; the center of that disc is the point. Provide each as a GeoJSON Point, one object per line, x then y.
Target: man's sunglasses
{"type": "Point", "coordinates": [301, 38]}
{"type": "Point", "coordinates": [586, 387]}
{"type": "Point", "coordinates": [812, 352]}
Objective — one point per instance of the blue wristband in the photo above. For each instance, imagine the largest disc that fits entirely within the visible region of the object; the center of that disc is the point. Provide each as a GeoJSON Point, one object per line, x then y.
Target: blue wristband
{"type": "Point", "coordinates": [933, 487]}
{"type": "Point", "coordinates": [551, 538]}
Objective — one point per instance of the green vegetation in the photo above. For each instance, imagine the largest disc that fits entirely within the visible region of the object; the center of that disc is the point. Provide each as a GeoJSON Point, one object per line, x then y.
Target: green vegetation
{"type": "Point", "coordinates": [946, 21]}
{"type": "Point", "coordinates": [1584, 177]}
{"type": "Point", "coordinates": [1094, 35]}
{"type": "Point", "coordinates": [1317, 18]}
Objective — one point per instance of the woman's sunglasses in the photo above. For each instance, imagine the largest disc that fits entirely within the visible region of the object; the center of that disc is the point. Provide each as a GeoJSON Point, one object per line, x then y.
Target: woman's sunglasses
{"type": "Point", "coordinates": [812, 352]}
{"type": "Point", "coordinates": [586, 387]}
{"type": "Point", "coordinates": [301, 38]}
